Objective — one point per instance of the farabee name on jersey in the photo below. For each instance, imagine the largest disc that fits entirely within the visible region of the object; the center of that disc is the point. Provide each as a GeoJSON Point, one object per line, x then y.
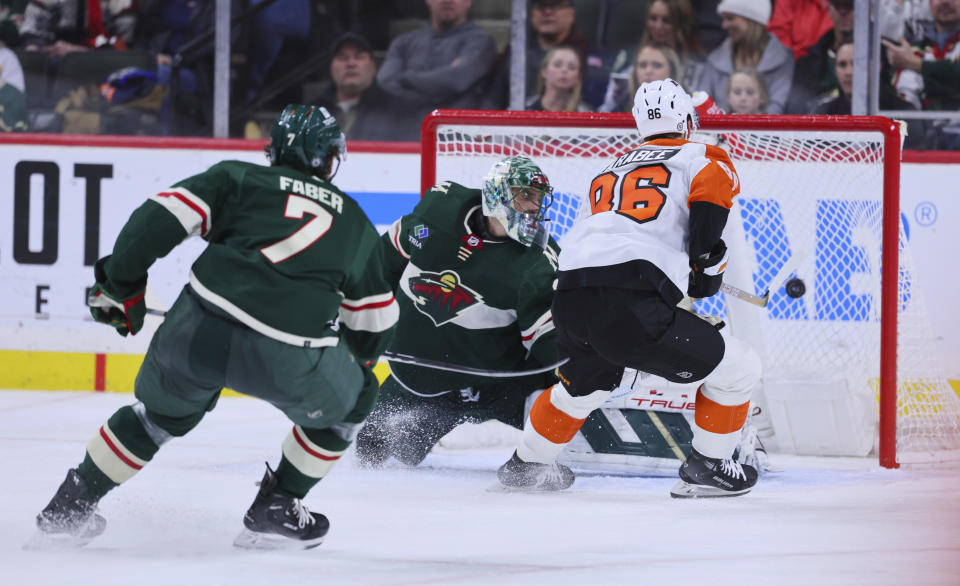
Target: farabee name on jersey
{"type": "Point", "coordinates": [314, 192]}
{"type": "Point", "coordinates": [644, 155]}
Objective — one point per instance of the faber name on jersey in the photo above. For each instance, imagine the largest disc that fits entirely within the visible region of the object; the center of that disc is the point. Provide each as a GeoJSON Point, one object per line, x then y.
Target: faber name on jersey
{"type": "Point", "coordinates": [313, 191]}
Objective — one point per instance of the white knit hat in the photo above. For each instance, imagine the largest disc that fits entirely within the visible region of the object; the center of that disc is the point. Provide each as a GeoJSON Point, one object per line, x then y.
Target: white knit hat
{"type": "Point", "coordinates": [758, 10]}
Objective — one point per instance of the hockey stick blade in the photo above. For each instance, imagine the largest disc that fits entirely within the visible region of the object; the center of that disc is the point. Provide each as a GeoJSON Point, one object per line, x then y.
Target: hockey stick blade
{"type": "Point", "coordinates": [748, 297]}
{"type": "Point", "coordinates": [436, 364]}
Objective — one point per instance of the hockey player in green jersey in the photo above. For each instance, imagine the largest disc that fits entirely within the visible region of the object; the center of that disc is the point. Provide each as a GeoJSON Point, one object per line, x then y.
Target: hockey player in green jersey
{"type": "Point", "coordinates": [287, 303]}
{"type": "Point", "coordinates": [474, 272]}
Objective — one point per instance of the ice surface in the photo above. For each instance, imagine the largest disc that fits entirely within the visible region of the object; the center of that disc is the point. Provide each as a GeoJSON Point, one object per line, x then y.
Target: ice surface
{"type": "Point", "coordinates": [820, 521]}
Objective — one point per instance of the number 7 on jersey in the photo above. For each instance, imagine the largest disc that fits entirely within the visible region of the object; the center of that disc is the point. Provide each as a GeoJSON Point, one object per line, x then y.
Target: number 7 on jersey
{"type": "Point", "coordinates": [303, 238]}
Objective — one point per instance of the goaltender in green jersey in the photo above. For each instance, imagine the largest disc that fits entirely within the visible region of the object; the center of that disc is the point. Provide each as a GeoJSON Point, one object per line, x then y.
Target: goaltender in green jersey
{"type": "Point", "coordinates": [474, 273]}
{"type": "Point", "coordinates": [287, 303]}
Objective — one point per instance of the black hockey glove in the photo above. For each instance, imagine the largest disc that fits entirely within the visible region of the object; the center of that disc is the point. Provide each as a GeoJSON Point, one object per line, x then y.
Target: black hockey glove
{"type": "Point", "coordinates": [123, 312]}
{"type": "Point", "coordinates": [706, 272]}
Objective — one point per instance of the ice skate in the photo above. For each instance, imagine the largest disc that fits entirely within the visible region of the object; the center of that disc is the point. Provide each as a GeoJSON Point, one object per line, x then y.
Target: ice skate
{"type": "Point", "coordinates": [702, 477]}
{"type": "Point", "coordinates": [517, 475]}
{"type": "Point", "coordinates": [278, 521]}
{"type": "Point", "coordinates": [70, 520]}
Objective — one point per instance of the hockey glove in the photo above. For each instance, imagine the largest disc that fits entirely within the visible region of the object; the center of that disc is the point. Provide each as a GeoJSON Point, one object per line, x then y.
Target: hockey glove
{"type": "Point", "coordinates": [123, 312]}
{"type": "Point", "coordinates": [706, 271]}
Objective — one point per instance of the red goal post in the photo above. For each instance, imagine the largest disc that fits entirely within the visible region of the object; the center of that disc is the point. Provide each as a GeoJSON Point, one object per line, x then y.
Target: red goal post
{"type": "Point", "coordinates": [864, 151]}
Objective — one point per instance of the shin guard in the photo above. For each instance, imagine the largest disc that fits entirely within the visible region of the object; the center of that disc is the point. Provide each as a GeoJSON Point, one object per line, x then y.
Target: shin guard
{"type": "Point", "coordinates": [716, 430]}
{"type": "Point", "coordinates": [308, 455]}
{"type": "Point", "coordinates": [554, 419]}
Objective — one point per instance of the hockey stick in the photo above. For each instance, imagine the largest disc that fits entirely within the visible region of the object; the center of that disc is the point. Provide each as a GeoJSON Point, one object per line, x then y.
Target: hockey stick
{"type": "Point", "coordinates": [407, 359]}
{"type": "Point", "coordinates": [758, 300]}
{"type": "Point", "coordinates": [792, 263]}
{"type": "Point", "coordinates": [438, 365]}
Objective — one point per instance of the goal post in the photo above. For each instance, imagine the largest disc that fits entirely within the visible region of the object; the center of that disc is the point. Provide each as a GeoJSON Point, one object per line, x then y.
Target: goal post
{"type": "Point", "coordinates": [823, 188]}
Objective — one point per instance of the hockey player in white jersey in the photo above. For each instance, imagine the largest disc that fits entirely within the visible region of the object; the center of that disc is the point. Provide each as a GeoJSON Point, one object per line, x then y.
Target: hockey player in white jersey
{"type": "Point", "coordinates": [650, 229]}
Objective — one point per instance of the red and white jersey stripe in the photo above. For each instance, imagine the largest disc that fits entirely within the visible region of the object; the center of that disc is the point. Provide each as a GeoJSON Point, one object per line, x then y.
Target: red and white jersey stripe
{"type": "Point", "coordinates": [541, 326]}
{"type": "Point", "coordinates": [394, 231]}
{"type": "Point", "coordinates": [306, 456]}
{"type": "Point", "coordinates": [112, 457]}
{"type": "Point", "coordinates": [376, 313]}
{"type": "Point", "coordinates": [192, 212]}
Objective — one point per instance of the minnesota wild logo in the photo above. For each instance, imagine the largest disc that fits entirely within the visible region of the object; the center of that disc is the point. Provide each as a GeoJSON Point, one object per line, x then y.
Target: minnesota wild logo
{"type": "Point", "coordinates": [441, 296]}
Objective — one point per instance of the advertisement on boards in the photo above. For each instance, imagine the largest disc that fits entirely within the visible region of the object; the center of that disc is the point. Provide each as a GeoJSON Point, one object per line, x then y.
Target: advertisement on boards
{"type": "Point", "coordinates": [62, 206]}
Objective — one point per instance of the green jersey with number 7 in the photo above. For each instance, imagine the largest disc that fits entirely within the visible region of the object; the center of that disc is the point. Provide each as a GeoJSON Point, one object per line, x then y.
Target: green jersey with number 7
{"type": "Point", "coordinates": [279, 238]}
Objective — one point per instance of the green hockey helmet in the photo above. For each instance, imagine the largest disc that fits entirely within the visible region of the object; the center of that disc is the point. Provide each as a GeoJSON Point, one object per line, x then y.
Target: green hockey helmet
{"type": "Point", "coordinates": [518, 194]}
{"type": "Point", "coordinates": [306, 137]}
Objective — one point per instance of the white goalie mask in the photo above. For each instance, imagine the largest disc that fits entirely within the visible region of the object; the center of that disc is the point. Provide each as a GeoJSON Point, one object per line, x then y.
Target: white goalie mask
{"type": "Point", "coordinates": [662, 107]}
{"type": "Point", "coordinates": [517, 194]}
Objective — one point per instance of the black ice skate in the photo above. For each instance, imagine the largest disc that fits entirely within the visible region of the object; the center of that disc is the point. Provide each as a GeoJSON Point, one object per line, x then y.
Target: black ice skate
{"type": "Point", "coordinates": [71, 519]}
{"type": "Point", "coordinates": [278, 521]}
{"type": "Point", "coordinates": [517, 475]}
{"type": "Point", "coordinates": [701, 476]}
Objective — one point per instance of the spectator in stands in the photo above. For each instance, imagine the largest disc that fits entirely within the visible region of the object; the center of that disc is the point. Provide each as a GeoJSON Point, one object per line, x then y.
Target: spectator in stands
{"type": "Point", "coordinates": [904, 18]}
{"type": "Point", "coordinates": [928, 71]}
{"type": "Point", "coordinates": [814, 74]}
{"type": "Point", "coordinates": [747, 93]}
{"type": "Point", "coordinates": [748, 45]}
{"type": "Point", "coordinates": [838, 102]}
{"type": "Point", "coordinates": [11, 72]}
{"type": "Point", "coordinates": [668, 23]}
{"type": "Point", "coordinates": [671, 23]}
{"type": "Point", "coordinates": [13, 104]}
{"type": "Point", "coordinates": [65, 26]}
{"type": "Point", "coordinates": [553, 24]}
{"type": "Point", "coordinates": [799, 24]}
{"type": "Point", "coordinates": [441, 65]}
{"type": "Point", "coordinates": [561, 74]}
{"type": "Point", "coordinates": [709, 32]}
{"type": "Point", "coordinates": [653, 62]}
{"type": "Point", "coordinates": [363, 109]}
{"type": "Point", "coordinates": [282, 22]}
{"type": "Point", "coordinates": [11, 17]}
{"type": "Point", "coordinates": [164, 27]}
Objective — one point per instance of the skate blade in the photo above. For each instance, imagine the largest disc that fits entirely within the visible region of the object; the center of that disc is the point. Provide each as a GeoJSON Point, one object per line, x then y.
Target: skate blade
{"type": "Point", "coordinates": [272, 542]}
{"type": "Point", "coordinates": [685, 490]}
{"type": "Point", "coordinates": [498, 487]}
{"type": "Point", "coordinates": [43, 541]}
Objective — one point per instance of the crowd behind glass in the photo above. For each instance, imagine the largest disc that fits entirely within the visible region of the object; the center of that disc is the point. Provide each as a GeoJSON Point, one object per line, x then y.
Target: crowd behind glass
{"type": "Point", "coordinates": [146, 66]}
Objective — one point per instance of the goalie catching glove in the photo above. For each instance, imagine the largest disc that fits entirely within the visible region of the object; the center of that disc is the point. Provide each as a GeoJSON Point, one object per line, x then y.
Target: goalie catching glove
{"type": "Point", "coordinates": [125, 312]}
{"type": "Point", "coordinates": [706, 272]}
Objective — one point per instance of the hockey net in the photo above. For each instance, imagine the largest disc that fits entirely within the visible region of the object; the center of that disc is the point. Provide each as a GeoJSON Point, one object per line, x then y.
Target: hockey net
{"type": "Point", "coordinates": [819, 206]}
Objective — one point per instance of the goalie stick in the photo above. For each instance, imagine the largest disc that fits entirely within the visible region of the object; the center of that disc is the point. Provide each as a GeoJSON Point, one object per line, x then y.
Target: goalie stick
{"type": "Point", "coordinates": [438, 365]}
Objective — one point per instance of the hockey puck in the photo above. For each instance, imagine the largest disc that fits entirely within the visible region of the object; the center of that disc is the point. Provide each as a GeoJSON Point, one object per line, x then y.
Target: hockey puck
{"type": "Point", "coordinates": [795, 288]}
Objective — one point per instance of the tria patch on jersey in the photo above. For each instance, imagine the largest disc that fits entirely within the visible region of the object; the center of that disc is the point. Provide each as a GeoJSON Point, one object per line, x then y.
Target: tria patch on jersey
{"type": "Point", "coordinates": [441, 296]}
{"type": "Point", "coordinates": [419, 233]}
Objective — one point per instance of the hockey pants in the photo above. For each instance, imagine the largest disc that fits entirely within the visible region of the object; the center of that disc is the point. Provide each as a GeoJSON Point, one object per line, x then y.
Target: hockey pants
{"type": "Point", "coordinates": [602, 330]}
{"type": "Point", "coordinates": [197, 352]}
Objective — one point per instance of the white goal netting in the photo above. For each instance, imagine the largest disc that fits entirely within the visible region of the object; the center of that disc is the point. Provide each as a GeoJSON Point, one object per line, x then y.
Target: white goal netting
{"type": "Point", "coordinates": [811, 199]}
